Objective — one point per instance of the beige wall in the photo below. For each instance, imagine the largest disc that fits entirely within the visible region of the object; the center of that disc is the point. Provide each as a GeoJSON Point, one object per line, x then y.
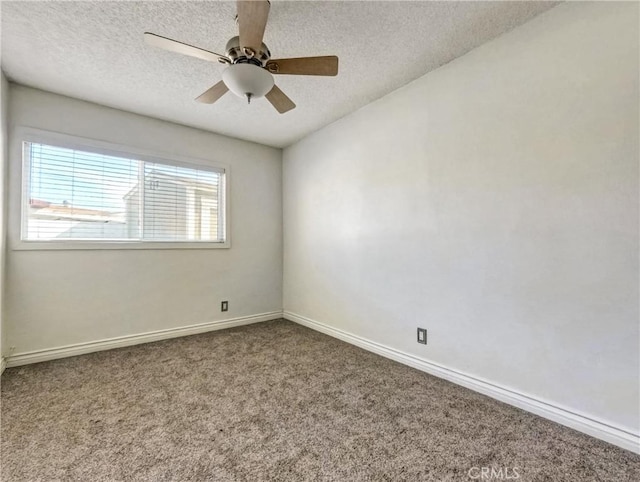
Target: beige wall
{"type": "Point", "coordinates": [57, 298]}
{"type": "Point", "coordinates": [495, 203]}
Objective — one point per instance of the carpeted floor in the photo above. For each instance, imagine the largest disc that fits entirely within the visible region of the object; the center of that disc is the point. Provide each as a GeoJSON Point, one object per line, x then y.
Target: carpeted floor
{"type": "Point", "coordinates": [274, 401]}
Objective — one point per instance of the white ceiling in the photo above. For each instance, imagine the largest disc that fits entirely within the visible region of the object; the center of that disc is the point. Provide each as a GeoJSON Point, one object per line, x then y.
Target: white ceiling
{"type": "Point", "coordinates": [95, 51]}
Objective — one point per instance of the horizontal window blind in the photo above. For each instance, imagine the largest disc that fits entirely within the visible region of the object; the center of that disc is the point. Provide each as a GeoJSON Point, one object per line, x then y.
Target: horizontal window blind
{"type": "Point", "coordinates": [72, 194]}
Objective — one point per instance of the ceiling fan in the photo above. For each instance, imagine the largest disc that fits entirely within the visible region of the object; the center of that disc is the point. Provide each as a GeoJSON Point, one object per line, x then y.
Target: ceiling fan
{"type": "Point", "coordinates": [249, 64]}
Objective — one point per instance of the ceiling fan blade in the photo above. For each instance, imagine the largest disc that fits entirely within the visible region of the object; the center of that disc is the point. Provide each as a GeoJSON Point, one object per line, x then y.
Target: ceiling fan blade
{"type": "Point", "coordinates": [182, 48]}
{"type": "Point", "coordinates": [279, 100]}
{"type": "Point", "coordinates": [252, 20]}
{"type": "Point", "coordinates": [213, 94]}
{"type": "Point", "coordinates": [327, 65]}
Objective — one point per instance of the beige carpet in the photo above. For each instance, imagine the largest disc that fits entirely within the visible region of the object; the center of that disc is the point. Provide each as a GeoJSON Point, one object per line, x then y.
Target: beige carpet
{"type": "Point", "coordinates": [274, 401]}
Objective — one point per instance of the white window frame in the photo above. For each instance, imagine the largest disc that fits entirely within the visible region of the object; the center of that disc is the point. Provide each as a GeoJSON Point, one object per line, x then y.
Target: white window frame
{"type": "Point", "coordinates": [27, 134]}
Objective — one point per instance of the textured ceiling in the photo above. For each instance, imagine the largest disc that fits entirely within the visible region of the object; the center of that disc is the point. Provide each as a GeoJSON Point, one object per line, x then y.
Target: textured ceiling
{"type": "Point", "coordinates": [95, 51]}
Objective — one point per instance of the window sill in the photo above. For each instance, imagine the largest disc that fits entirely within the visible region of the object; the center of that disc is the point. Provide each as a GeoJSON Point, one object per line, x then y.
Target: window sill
{"type": "Point", "coordinates": [107, 245]}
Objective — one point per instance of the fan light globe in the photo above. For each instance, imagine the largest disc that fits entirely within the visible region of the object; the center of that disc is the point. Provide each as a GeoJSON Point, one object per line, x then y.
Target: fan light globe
{"type": "Point", "coordinates": [247, 80]}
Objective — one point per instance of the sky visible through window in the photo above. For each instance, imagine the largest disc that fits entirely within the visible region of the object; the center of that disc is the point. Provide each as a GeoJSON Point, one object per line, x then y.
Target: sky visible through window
{"type": "Point", "coordinates": [81, 179]}
{"type": "Point", "coordinates": [76, 194]}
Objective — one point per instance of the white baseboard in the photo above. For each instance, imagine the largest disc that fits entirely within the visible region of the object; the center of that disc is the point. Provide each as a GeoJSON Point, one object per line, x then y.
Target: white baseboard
{"type": "Point", "coordinates": [128, 340]}
{"type": "Point", "coordinates": [601, 430]}
{"type": "Point", "coordinates": [3, 365]}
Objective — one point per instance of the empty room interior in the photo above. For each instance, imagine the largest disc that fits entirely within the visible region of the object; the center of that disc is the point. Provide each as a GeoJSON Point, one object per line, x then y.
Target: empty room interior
{"type": "Point", "coordinates": [320, 240]}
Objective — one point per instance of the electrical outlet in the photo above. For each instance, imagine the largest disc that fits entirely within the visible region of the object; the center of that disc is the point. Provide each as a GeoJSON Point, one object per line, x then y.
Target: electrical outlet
{"type": "Point", "coordinates": [422, 336]}
{"type": "Point", "coordinates": [224, 306]}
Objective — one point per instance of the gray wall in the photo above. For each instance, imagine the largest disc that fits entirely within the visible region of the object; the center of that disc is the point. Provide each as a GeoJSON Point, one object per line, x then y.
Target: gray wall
{"type": "Point", "coordinates": [57, 298]}
{"type": "Point", "coordinates": [4, 108]}
{"type": "Point", "coordinates": [494, 202]}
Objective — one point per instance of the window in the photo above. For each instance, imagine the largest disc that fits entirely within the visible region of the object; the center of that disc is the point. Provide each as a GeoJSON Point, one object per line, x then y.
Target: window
{"type": "Point", "coordinates": [78, 194]}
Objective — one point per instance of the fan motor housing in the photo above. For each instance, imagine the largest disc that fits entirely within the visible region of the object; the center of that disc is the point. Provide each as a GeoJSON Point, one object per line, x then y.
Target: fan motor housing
{"type": "Point", "coordinates": [238, 55]}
